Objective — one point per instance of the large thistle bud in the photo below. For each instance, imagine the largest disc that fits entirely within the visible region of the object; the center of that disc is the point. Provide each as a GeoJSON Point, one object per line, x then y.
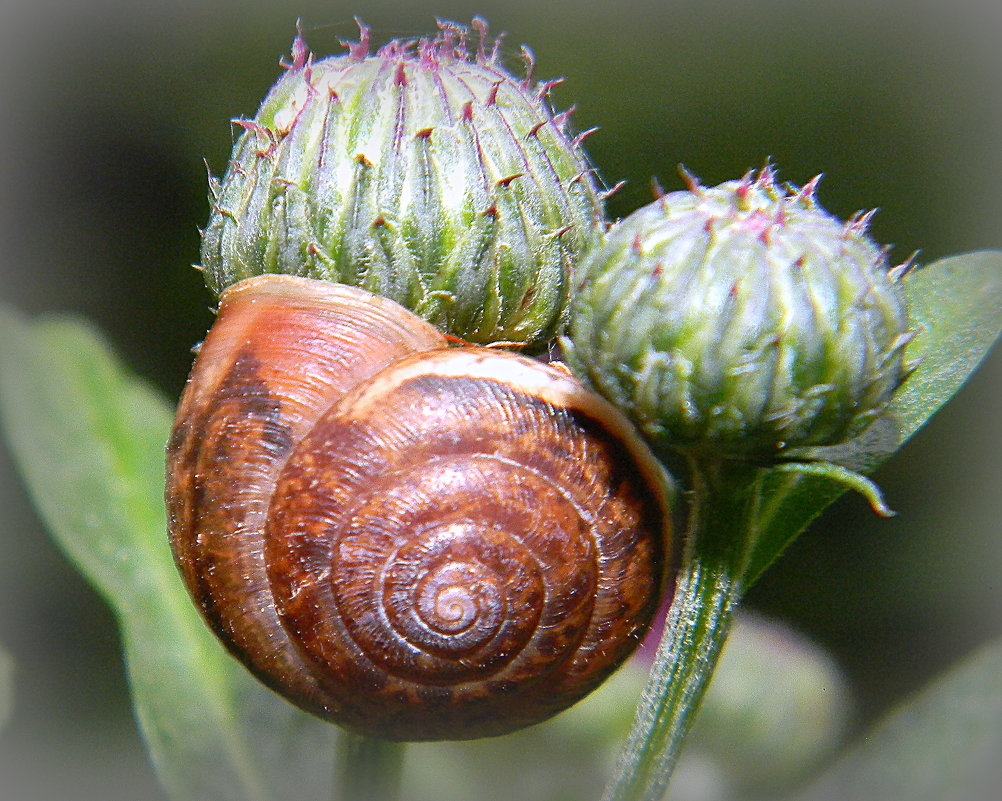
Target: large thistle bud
{"type": "Point", "coordinates": [741, 320]}
{"type": "Point", "coordinates": [423, 172]}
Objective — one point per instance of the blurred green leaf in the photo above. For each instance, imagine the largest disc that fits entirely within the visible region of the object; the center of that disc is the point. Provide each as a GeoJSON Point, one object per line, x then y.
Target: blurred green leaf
{"type": "Point", "coordinates": [943, 744]}
{"type": "Point", "coordinates": [89, 440]}
{"type": "Point", "coordinates": [776, 708]}
{"type": "Point", "coordinates": [956, 307]}
{"type": "Point", "coordinates": [6, 686]}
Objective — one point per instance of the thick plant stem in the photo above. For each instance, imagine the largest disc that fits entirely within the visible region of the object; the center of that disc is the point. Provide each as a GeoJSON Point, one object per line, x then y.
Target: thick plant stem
{"type": "Point", "coordinates": [368, 769]}
{"type": "Point", "coordinates": [719, 540]}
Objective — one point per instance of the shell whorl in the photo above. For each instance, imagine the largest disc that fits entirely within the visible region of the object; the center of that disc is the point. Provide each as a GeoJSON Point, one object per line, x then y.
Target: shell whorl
{"type": "Point", "coordinates": [453, 543]}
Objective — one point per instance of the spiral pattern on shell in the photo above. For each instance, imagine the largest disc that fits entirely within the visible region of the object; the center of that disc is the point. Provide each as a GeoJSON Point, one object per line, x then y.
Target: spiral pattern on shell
{"type": "Point", "coordinates": [454, 543]}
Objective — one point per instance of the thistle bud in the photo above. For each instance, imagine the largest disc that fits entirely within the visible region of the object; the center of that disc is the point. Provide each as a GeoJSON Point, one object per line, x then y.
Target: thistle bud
{"type": "Point", "coordinates": [423, 172]}
{"type": "Point", "coordinates": [741, 320]}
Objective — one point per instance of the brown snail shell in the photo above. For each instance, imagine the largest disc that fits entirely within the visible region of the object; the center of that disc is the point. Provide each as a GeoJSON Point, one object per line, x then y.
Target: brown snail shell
{"type": "Point", "coordinates": [414, 541]}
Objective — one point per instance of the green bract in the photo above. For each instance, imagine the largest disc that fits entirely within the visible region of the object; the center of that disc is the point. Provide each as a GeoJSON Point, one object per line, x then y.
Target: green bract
{"type": "Point", "coordinates": [423, 172]}
{"type": "Point", "coordinates": [741, 320]}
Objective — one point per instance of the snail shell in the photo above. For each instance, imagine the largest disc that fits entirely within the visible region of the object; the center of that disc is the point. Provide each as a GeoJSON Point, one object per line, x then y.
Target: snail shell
{"type": "Point", "coordinates": [414, 541]}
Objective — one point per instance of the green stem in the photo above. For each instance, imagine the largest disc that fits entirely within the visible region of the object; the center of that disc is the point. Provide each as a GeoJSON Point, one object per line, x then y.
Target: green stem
{"type": "Point", "coordinates": [368, 769]}
{"type": "Point", "coordinates": [719, 541]}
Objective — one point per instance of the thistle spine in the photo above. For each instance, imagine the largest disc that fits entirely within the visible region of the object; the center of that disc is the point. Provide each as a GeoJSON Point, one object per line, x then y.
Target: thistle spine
{"type": "Point", "coordinates": [425, 172]}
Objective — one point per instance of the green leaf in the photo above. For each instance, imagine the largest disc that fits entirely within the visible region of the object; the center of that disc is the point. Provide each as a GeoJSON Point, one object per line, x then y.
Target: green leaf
{"type": "Point", "coordinates": [944, 744]}
{"type": "Point", "coordinates": [89, 440]}
{"type": "Point", "coordinates": [6, 686]}
{"type": "Point", "coordinates": [956, 308]}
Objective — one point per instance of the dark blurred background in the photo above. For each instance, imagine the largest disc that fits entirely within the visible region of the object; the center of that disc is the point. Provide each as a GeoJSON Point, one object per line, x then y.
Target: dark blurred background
{"type": "Point", "coordinates": [109, 107]}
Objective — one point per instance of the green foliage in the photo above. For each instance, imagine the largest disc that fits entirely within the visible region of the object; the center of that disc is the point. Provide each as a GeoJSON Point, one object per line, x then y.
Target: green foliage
{"type": "Point", "coordinates": [742, 519]}
{"type": "Point", "coordinates": [89, 439]}
{"type": "Point", "coordinates": [956, 307]}
{"type": "Point", "coordinates": [6, 686]}
{"type": "Point", "coordinates": [943, 744]}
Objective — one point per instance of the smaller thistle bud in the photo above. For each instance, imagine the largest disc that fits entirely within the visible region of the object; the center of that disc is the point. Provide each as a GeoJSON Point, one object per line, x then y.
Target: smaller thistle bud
{"type": "Point", "coordinates": [423, 172]}
{"type": "Point", "coordinates": [741, 320]}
